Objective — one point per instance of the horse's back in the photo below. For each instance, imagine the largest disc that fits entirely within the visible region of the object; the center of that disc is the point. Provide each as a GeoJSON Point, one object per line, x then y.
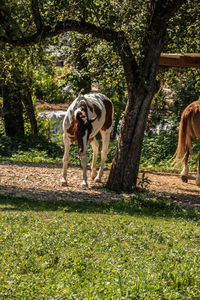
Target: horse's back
{"type": "Point", "coordinates": [99, 106]}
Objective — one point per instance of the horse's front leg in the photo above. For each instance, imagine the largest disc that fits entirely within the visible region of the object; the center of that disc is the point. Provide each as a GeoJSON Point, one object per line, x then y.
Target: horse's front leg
{"type": "Point", "coordinates": [65, 159]}
{"type": "Point", "coordinates": [95, 149]}
{"type": "Point", "coordinates": [198, 171]}
{"type": "Point", "coordinates": [84, 166]}
{"type": "Point", "coordinates": [185, 171]}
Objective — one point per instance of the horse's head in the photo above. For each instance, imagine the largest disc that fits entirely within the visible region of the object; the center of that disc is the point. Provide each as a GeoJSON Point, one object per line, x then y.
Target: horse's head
{"type": "Point", "coordinates": [84, 128]}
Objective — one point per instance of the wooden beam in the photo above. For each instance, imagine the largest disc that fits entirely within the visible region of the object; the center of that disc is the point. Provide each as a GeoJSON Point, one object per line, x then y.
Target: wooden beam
{"type": "Point", "coordinates": [185, 60]}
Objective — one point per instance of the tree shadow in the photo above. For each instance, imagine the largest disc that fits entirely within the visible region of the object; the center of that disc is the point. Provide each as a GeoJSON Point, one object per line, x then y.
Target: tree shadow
{"type": "Point", "coordinates": [191, 201]}
{"type": "Point", "coordinates": [96, 199]}
{"type": "Point", "coordinates": [186, 194]}
{"type": "Point", "coordinates": [138, 204]}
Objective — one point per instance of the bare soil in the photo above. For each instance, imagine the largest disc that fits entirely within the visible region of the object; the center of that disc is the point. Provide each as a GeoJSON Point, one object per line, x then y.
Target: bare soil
{"type": "Point", "coordinates": [42, 182]}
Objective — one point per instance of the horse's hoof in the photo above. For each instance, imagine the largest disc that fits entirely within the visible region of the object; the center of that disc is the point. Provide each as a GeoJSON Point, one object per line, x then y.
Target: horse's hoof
{"type": "Point", "coordinates": [184, 178]}
{"type": "Point", "coordinates": [64, 183]}
{"type": "Point", "coordinates": [84, 183]}
{"type": "Point", "coordinates": [97, 179]}
{"type": "Point", "coordinates": [93, 174]}
{"type": "Point", "coordinates": [197, 182]}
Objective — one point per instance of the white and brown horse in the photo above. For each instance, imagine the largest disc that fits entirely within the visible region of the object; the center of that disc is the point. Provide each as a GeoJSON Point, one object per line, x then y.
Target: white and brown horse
{"type": "Point", "coordinates": [85, 117]}
{"type": "Point", "coordinates": [189, 129]}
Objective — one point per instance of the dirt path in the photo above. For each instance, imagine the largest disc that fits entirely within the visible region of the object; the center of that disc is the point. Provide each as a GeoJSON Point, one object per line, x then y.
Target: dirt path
{"type": "Point", "coordinates": [39, 181]}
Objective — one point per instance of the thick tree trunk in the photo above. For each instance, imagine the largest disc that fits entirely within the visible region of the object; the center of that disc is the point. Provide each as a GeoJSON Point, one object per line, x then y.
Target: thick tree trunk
{"type": "Point", "coordinates": [125, 166]}
{"type": "Point", "coordinates": [141, 87]}
{"type": "Point", "coordinates": [12, 111]}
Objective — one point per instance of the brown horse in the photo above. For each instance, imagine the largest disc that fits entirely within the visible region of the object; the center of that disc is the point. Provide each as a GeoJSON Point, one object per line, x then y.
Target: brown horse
{"type": "Point", "coordinates": [189, 129]}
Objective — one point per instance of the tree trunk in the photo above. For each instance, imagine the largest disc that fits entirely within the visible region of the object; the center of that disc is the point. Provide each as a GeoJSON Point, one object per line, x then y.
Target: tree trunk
{"type": "Point", "coordinates": [28, 103]}
{"type": "Point", "coordinates": [141, 89]}
{"type": "Point", "coordinates": [12, 111]}
{"type": "Point", "coordinates": [125, 165]}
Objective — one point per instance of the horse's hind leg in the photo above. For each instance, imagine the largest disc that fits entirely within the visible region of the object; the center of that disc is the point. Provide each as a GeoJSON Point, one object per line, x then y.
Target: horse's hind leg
{"type": "Point", "coordinates": [65, 159]}
{"type": "Point", "coordinates": [184, 173]}
{"type": "Point", "coordinates": [105, 143]}
{"type": "Point", "coordinates": [198, 171]}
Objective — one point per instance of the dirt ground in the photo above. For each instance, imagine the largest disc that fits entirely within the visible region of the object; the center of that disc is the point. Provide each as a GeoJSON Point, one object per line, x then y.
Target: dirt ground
{"type": "Point", "coordinates": [42, 182]}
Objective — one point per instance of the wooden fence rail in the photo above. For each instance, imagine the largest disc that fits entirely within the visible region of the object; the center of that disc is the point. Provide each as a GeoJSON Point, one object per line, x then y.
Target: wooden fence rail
{"type": "Point", "coordinates": [185, 60]}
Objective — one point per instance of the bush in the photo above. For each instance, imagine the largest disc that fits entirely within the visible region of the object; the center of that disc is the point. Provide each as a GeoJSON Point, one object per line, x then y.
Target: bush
{"type": "Point", "coordinates": [185, 90]}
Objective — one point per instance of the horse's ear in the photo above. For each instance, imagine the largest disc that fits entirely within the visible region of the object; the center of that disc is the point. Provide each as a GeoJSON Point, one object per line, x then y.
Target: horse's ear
{"type": "Point", "coordinates": [93, 119]}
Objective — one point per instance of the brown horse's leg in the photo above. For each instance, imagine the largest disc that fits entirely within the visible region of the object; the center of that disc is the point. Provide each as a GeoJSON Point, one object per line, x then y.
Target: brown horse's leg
{"type": "Point", "coordinates": [198, 171]}
{"type": "Point", "coordinates": [184, 173]}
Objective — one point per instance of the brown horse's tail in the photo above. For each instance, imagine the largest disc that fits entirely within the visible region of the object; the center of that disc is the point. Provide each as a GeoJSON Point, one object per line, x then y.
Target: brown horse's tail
{"type": "Point", "coordinates": [184, 139]}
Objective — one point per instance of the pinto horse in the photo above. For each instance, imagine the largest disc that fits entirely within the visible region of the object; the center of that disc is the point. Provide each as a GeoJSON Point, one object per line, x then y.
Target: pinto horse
{"type": "Point", "coordinates": [189, 129]}
{"type": "Point", "coordinates": [86, 116]}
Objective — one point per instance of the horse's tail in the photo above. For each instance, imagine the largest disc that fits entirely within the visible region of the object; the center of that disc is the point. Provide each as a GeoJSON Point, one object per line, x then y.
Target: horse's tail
{"type": "Point", "coordinates": [184, 139]}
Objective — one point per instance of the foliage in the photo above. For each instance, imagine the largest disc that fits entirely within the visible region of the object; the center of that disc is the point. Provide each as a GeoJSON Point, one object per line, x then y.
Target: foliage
{"type": "Point", "coordinates": [186, 89]}
{"type": "Point", "coordinates": [29, 149]}
{"type": "Point", "coordinates": [158, 148]}
{"type": "Point", "coordinates": [182, 29]}
{"type": "Point", "coordinates": [42, 148]}
{"type": "Point", "coordinates": [38, 148]}
{"type": "Point", "coordinates": [47, 88]}
{"type": "Point", "coordinates": [112, 250]}
{"type": "Point", "coordinates": [158, 113]}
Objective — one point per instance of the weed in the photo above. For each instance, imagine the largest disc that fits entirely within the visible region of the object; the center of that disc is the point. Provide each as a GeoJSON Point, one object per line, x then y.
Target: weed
{"type": "Point", "coordinates": [143, 182]}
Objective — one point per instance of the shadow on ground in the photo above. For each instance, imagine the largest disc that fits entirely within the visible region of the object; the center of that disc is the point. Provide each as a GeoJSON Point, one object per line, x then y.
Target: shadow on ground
{"type": "Point", "coordinates": [138, 204]}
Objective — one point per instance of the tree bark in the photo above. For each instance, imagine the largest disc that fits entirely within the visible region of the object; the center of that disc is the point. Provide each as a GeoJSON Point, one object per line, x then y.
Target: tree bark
{"type": "Point", "coordinates": [28, 103]}
{"type": "Point", "coordinates": [125, 165]}
{"type": "Point", "coordinates": [12, 111]}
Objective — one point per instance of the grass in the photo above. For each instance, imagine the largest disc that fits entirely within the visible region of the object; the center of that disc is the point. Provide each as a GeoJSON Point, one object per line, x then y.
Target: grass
{"type": "Point", "coordinates": [130, 249]}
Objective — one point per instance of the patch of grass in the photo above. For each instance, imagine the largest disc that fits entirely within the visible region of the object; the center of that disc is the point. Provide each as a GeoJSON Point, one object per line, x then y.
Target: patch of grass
{"type": "Point", "coordinates": [130, 249]}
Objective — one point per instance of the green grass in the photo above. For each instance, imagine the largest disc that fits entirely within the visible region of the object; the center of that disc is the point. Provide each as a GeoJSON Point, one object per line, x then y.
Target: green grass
{"type": "Point", "coordinates": [130, 249]}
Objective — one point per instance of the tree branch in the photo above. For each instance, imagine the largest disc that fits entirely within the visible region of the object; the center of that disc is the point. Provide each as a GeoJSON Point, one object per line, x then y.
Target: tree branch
{"type": "Point", "coordinates": [36, 15]}
{"type": "Point", "coordinates": [160, 12]}
{"type": "Point", "coordinates": [61, 27]}
{"type": "Point", "coordinates": [6, 20]}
